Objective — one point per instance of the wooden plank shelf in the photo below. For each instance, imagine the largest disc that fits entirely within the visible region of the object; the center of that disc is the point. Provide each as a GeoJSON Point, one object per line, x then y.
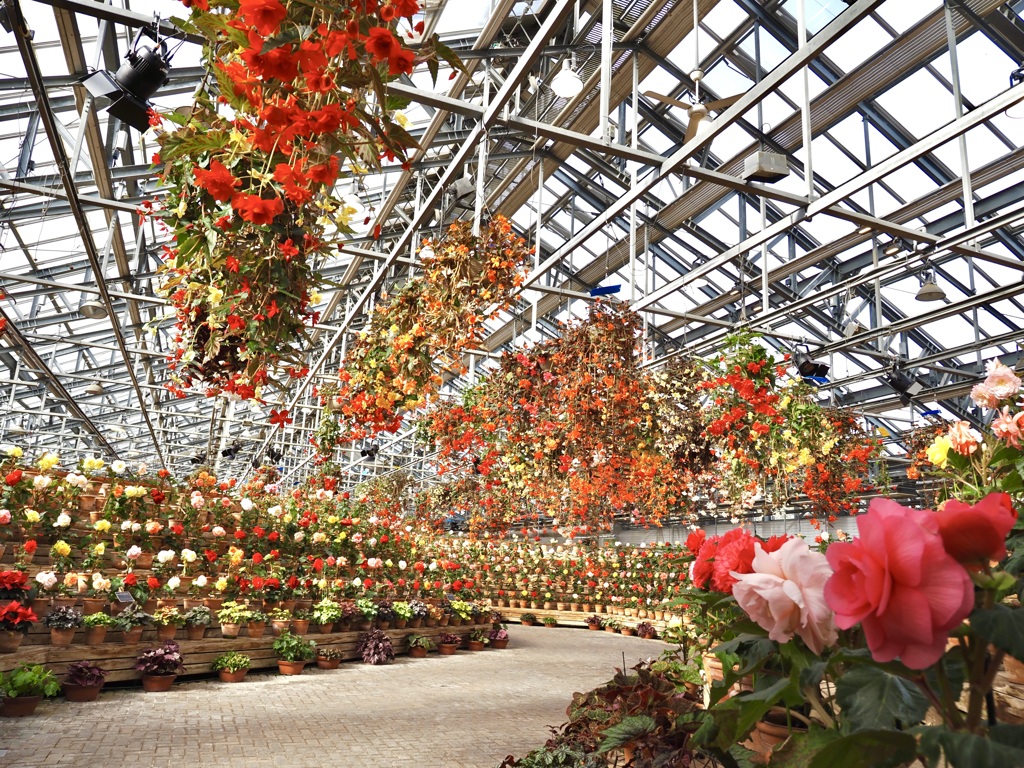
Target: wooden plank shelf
{"type": "Point", "coordinates": [119, 658]}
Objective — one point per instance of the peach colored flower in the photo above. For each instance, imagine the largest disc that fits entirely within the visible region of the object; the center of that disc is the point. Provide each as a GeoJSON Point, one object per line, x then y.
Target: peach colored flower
{"type": "Point", "coordinates": [898, 582]}
{"type": "Point", "coordinates": [785, 594]}
{"type": "Point", "coordinates": [1008, 427]}
{"type": "Point", "coordinates": [963, 440]}
{"type": "Point", "coordinates": [1001, 380]}
{"type": "Point", "coordinates": [983, 396]}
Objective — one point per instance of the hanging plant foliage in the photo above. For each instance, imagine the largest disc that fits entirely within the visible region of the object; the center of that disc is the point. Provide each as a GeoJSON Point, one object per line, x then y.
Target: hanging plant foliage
{"type": "Point", "coordinates": [251, 205]}
{"type": "Point", "coordinates": [396, 362]}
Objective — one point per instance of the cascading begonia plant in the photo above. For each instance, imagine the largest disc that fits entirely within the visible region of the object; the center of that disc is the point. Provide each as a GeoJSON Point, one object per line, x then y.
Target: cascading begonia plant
{"type": "Point", "coordinates": [298, 97]}
{"type": "Point", "coordinates": [424, 329]}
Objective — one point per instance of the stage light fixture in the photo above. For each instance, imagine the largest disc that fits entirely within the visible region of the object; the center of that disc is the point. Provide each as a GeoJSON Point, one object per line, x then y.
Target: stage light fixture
{"type": "Point", "coordinates": [125, 95]}
{"type": "Point", "coordinates": [904, 384]}
{"type": "Point", "coordinates": [808, 367]}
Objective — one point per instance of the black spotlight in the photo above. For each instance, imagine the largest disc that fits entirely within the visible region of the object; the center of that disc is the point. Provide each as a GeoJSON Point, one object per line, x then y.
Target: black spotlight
{"type": "Point", "coordinates": [5, 19]}
{"type": "Point", "coordinates": [808, 367]}
{"type": "Point", "coordinates": [907, 387]}
{"type": "Point", "coordinates": [126, 94]}
{"type": "Point", "coordinates": [199, 458]}
{"type": "Point", "coordinates": [231, 451]}
{"type": "Point", "coordinates": [370, 453]}
{"type": "Point", "coordinates": [274, 455]}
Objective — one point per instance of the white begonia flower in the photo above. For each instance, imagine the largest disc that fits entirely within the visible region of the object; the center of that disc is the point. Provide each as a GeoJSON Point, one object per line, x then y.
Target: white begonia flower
{"type": "Point", "coordinates": [247, 505]}
{"type": "Point", "coordinates": [63, 520]}
{"type": "Point", "coordinates": [173, 583]}
{"type": "Point", "coordinates": [118, 467]}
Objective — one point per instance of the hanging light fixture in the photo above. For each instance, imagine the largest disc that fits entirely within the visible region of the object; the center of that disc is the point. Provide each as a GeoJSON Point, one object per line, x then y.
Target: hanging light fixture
{"type": "Point", "coordinates": [94, 309]}
{"type": "Point", "coordinates": [566, 83]}
{"type": "Point", "coordinates": [930, 290]}
{"type": "Point", "coordinates": [95, 388]}
{"type": "Point", "coordinates": [125, 95]}
{"type": "Point", "coordinates": [1016, 111]}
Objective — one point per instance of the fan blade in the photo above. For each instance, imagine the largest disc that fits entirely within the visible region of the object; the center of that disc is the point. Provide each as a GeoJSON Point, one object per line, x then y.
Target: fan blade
{"type": "Point", "coordinates": [668, 100]}
{"type": "Point", "coordinates": [691, 127]}
{"type": "Point", "coordinates": [723, 103]}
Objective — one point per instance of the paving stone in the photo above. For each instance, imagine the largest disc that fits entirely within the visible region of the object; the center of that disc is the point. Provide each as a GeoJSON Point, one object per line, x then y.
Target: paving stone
{"type": "Point", "coordinates": [464, 711]}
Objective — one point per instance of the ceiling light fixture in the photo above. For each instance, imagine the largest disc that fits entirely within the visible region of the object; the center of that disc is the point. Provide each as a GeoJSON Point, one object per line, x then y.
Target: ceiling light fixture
{"type": "Point", "coordinates": [125, 95]}
{"type": "Point", "coordinates": [566, 83]}
{"type": "Point", "coordinates": [274, 455]}
{"type": "Point", "coordinates": [806, 366]}
{"type": "Point", "coordinates": [930, 290]}
{"type": "Point", "coordinates": [95, 388]}
{"type": "Point", "coordinates": [896, 246]}
{"type": "Point", "coordinates": [907, 387]}
{"type": "Point", "coordinates": [231, 451]}
{"type": "Point", "coordinates": [1016, 111]}
{"type": "Point", "coordinates": [93, 309]}
{"type": "Point", "coordinates": [197, 459]}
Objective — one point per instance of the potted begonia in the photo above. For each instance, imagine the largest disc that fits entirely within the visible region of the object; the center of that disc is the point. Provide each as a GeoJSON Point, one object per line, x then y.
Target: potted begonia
{"type": "Point", "coordinates": [160, 667]}
{"type": "Point", "coordinates": [83, 681]}
{"type": "Point", "coordinates": [232, 667]}
{"type": "Point", "coordinates": [24, 687]}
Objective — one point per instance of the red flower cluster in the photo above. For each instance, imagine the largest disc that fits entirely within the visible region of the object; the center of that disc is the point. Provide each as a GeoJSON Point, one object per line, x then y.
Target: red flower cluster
{"type": "Point", "coordinates": [15, 617]}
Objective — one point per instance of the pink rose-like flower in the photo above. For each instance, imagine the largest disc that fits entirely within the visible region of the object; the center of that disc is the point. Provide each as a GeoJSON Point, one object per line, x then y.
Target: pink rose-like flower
{"type": "Point", "coordinates": [963, 440]}
{"type": "Point", "coordinates": [5, 517]}
{"type": "Point", "coordinates": [983, 396]}
{"type": "Point", "coordinates": [898, 582]}
{"type": "Point", "coordinates": [1007, 427]}
{"type": "Point", "coordinates": [785, 594]}
{"type": "Point", "coordinates": [1001, 380]}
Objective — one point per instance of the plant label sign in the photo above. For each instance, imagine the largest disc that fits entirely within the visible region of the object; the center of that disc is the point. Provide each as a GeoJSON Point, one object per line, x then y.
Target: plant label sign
{"type": "Point", "coordinates": [125, 597]}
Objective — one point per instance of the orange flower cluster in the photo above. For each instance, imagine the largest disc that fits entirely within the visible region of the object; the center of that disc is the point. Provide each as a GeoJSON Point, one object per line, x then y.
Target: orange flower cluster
{"type": "Point", "coordinates": [250, 199]}
{"type": "Point", "coordinates": [428, 326]}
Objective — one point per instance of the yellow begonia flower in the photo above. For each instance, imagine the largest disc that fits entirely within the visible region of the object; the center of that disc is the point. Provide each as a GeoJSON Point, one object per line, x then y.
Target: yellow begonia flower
{"type": "Point", "coordinates": [221, 584]}
{"type": "Point", "coordinates": [62, 548]}
{"type": "Point", "coordinates": [48, 461]}
{"type": "Point", "coordinates": [938, 451]}
{"type": "Point", "coordinates": [31, 516]}
{"type": "Point", "coordinates": [102, 525]}
{"type": "Point", "coordinates": [15, 452]}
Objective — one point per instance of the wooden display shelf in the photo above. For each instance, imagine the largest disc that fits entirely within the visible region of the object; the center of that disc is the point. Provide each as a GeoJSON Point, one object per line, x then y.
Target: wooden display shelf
{"type": "Point", "coordinates": [119, 659]}
{"type": "Point", "coordinates": [576, 618]}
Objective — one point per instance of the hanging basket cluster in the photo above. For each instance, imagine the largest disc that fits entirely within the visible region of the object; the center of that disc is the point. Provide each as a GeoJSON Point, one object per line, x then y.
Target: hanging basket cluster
{"type": "Point", "coordinates": [251, 204]}
{"type": "Point", "coordinates": [575, 430]}
{"type": "Point", "coordinates": [424, 329]}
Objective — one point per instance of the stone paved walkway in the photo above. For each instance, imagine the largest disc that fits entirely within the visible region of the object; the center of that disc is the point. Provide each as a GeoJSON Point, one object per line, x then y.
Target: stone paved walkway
{"type": "Point", "coordinates": [464, 711]}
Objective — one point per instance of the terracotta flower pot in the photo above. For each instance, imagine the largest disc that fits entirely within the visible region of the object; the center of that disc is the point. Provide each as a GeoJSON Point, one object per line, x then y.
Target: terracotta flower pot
{"type": "Point", "coordinates": [214, 603]}
{"type": "Point", "coordinates": [383, 624]}
{"type": "Point", "coordinates": [93, 605]}
{"type": "Point", "coordinates": [65, 602]}
{"type": "Point", "coordinates": [301, 626]}
{"type": "Point", "coordinates": [290, 667]}
{"type": "Point", "coordinates": [325, 629]}
{"type": "Point", "coordinates": [165, 633]}
{"type": "Point", "coordinates": [230, 630]}
{"type": "Point", "coordinates": [773, 729]}
{"type": "Point", "coordinates": [256, 628]}
{"type": "Point", "coordinates": [157, 683]}
{"type": "Point", "coordinates": [9, 641]}
{"type": "Point", "coordinates": [443, 621]}
{"type": "Point", "coordinates": [447, 649]}
{"type": "Point", "coordinates": [61, 638]}
{"type": "Point", "coordinates": [400, 623]}
{"type": "Point", "coordinates": [499, 645]}
{"type": "Point", "coordinates": [82, 693]}
{"type": "Point", "coordinates": [132, 636]}
{"type": "Point", "coordinates": [415, 623]}
{"type": "Point", "coordinates": [232, 677]}
{"type": "Point", "coordinates": [41, 606]}
{"type": "Point", "coordinates": [328, 663]}
{"type": "Point", "coordinates": [19, 706]}
{"type": "Point", "coordinates": [95, 635]}
{"type": "Point", "coordinates": [476, 645]}
{"type": "Point", "coordinates": [196, 632]}
{"type": "Point", "coordinates": [280, 627]}
{"type": "Point", "coordinates": [610, 629]}
{"type": "Point", "coordinates": [145, 560]}
{"type": "Point", "coordinates": [418, 653]}
{"type": "Point", "coordinates": [627, 631]}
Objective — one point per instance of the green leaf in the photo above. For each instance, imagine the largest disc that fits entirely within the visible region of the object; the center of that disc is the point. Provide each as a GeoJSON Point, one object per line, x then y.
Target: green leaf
{"type": "Point", "coordinates": [872, 698]}
{"type": "Point", "coordinates": [629, 730]}
{"type": "Point", "coordinates": [879, 749]}
{"type": "Point", "coordinates": [446, 53]}
{"type": "Point", "coordinates": [1003, 627]}
{"type": "Point", "coordinates": [968, 750]}
{"type": "Point", "coordinates": [800, 748]}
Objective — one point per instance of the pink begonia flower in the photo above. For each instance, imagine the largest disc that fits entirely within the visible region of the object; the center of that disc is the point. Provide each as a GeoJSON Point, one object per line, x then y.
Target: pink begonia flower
{"type": "Point", "coordinates": [5, 517]}
{"type": "Point", "coordinates": [898, 582]}
{"type": "Point", "coordinates": [1007, 427]}
{"type": "Point", "coordinates": [964, 441]}
{"type": "Point", "coordinates": [983, 396]}
{"type": "Point", "coordinates": [786, 594]}
{"type": "Point", "coordinates": [1001, 380]}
